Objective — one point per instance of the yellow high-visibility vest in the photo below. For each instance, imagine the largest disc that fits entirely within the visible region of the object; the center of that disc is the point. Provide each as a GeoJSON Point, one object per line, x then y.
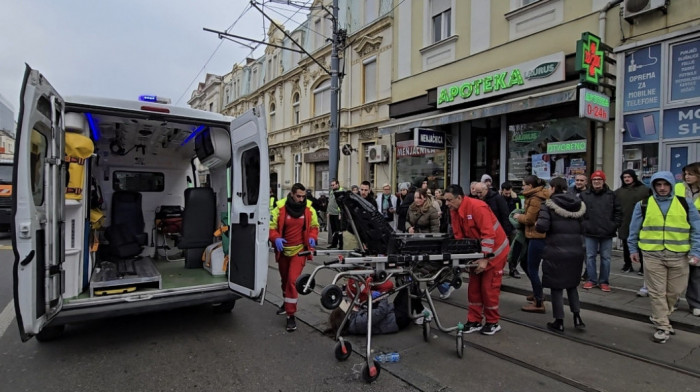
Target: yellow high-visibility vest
{"type": "Point", "coordinates": [659, 233]}
{"type": "Point", "coordinates": [679, 190]}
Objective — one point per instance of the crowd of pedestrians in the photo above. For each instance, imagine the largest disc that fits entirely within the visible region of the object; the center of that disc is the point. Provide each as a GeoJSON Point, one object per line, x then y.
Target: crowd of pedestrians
{"type": "Point", "coordinates": [567, 230]}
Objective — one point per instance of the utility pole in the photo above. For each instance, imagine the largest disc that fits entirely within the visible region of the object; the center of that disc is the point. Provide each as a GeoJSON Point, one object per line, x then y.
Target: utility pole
{"type": "Point", "coordinates": [334, 131]}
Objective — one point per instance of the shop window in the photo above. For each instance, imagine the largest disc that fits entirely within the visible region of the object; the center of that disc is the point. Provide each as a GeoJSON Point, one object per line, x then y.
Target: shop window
{"type": "Point", "coordinates": [547, 149]}
{"type": "Point", "coordinates": [643, 159]}
{"type": "Point", "coordinates": [417, 164]}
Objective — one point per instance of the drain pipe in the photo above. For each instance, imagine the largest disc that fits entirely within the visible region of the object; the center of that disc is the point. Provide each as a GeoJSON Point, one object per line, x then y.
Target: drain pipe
{"type": "Point", "coordinates": [600, 127]}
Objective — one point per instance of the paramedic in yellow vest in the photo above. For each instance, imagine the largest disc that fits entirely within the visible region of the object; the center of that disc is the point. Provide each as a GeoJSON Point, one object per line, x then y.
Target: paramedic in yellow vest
{"type": "Point", "coordinates": [293, 229]}
{"type": "Point", "coordinates": [690, 187]}
{"type": "Point", "coordinates": [668, 233]}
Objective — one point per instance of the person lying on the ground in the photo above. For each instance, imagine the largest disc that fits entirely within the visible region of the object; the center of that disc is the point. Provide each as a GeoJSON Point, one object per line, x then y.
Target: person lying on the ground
{"type": "Point", "coordinates": [386, 317]}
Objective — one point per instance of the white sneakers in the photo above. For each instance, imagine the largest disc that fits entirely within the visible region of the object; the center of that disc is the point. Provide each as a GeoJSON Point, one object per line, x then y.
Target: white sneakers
{"type": "Point", "coordinates": [643, 292]}
{"type": "Point", "coordinates": [661, 336]}
{"type": "Point", "coordinates": [448, 293]}
{"type": "Point", "coordinates": [696, 312]}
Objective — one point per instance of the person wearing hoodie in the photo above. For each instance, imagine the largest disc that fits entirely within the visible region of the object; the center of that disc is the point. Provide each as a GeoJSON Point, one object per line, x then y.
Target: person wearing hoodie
{"type": "Point", "coordinates": [690, 188]}
{"type": "Point", "coordinates": [535, 195]}
{"type": "Point", "coordinates": [631, 191]}
{"type": "Point", "coordinates": [498, 205]}
{"type": "Point", "coordinates": [560, 217]}
{"type": "Point", "coordinates": [486, 179]}
{"type": "Point", "coordinates": [666, 229]}
{"type": "Point", "coordinates": [603, 218]}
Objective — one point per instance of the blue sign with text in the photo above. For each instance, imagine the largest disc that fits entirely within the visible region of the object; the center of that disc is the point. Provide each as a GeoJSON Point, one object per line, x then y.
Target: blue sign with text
{"type": "Point", "coordinates": [429, 138]}
{"type": "Point", "coordinates": [685, 71]}
{"type": "Point", "coordinates": [642, 79]}
{"type": "Point", "coordinates": [683, 122]}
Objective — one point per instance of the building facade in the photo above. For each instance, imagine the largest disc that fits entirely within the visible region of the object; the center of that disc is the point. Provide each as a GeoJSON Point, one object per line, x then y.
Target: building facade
{"type": "Point", "coordinates": [500, 83]}
{"type": "Point", "coordinates": [294, 90]}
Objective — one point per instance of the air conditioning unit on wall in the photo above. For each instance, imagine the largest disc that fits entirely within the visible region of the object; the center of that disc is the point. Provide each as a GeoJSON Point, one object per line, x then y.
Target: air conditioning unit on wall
{"type": "Point", "coordinates": [377, 154]}
{"type": "Point", "coordinates": [633, 8]}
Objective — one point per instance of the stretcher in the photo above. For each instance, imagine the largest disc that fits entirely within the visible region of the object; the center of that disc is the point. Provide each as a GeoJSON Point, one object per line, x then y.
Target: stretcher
{"type": "Point", "coordinates": [418, 262]}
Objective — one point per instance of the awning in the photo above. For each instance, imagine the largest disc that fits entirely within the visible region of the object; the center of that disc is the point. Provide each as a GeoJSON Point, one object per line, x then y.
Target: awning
{"type": "Point", "coordinates": [526, 102]}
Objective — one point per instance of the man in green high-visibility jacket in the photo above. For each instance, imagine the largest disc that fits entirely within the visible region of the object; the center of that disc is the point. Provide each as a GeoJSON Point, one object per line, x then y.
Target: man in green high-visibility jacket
{"type": "Point", "coordinates": [667, 231]}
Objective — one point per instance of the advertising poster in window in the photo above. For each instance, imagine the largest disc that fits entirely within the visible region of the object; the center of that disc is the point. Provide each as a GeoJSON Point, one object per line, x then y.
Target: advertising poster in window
{"type": "Point", "coordinates": [641, 126]}
{"type": "Point", "coordinates": [418, 164]}
{"type": "Point", "coordinates": [642, 79]}
{"type": "Point", "coordinates": [541, 166]}
{"type": "Point", "coordinates": [685, 71]}
{"type": "Point", "coordinates": [683, 122]}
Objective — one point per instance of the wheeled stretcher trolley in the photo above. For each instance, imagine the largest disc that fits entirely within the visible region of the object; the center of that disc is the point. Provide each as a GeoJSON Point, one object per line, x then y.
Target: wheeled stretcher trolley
{"type": "Point", "coordinates": [418, 262]}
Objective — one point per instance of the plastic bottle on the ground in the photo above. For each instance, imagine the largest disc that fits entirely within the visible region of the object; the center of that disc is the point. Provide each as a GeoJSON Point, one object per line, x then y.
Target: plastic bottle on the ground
{"type": "Point", "coordinates": [388, 357]}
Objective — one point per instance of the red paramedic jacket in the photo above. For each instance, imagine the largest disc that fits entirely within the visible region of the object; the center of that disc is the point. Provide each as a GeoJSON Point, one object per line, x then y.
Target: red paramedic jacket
{"type": "Point", "coordinates": [474, 219]}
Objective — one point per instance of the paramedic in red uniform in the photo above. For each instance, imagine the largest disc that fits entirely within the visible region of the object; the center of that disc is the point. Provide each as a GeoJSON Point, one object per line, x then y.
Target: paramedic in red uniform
{"type": "Point", "coordinates": [472, 218]}
{"type": "Point", "coordinates": [293, 229]}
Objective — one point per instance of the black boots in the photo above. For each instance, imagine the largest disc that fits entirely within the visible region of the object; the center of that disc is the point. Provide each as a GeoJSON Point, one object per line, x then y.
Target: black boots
{"type": "Point", "coordinates": [556, 326]}
{"type": "Point", "coordinates": [578, 323]}
{"type": "Point", "coordinates": [514, 274]}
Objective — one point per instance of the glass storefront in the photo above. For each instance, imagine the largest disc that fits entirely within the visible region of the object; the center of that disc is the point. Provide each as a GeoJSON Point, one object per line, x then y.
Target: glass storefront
{"type": "Point", "coordinates": [549, 148]}
{"type": "Point", "coordinates": [417, 164]}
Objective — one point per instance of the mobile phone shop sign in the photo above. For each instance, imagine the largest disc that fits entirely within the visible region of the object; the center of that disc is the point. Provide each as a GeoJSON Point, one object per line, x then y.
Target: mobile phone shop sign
{"type": "Point", "coordinates": [642, 79]}
{"type": "Point", "coordinates": [428, 138]}
{"type": "Point", "coordinates": [593, 105]}
{"type": "Point", "coordinates": [533, 73]}
{"type": "Point", "coordinates": [683, 122]}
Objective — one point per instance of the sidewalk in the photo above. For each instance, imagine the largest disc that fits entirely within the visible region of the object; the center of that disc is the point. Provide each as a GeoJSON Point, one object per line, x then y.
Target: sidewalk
{"type": "Point", "coordinates": [622, 301]}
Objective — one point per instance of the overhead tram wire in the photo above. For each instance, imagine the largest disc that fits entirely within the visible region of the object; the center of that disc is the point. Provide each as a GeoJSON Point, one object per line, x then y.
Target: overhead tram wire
{"type": "Point", "coordinates": [248, 8]}
{"type": "Point", "coordinates": [307, 28]}
{"type": "Point", "coordinates": [245, 10]}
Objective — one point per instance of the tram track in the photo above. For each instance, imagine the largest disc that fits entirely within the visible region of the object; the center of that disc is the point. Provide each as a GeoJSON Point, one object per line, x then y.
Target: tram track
{"type": "Point", "coordinates": [591, 343]}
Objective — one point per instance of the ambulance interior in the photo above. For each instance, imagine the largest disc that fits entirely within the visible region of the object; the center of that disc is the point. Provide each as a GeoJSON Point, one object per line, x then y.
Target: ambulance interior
{"type": "Point", "coordinates": [147, 206]}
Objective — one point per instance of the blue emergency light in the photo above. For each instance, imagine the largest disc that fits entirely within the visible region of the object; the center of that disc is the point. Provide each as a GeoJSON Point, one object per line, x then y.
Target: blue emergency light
{"type": "Point", "coordinates": [154, 98]}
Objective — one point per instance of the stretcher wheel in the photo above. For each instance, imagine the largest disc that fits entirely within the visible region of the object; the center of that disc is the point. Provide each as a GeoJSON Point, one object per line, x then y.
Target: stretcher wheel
{"type": "Point", "coordinates": [343, 351]}
{"type": "Point", "coordinates": [301, 282]}
{"type": "Point", "coordinates": [381, 275]}
{"type": "Point", "coordinates": [370, 375]}
{"type": "Point", "coordinates": [460, 344]}
{"type": "Point", "coordinates": [426, 330]}
{"type": "Point", "coordinates": [331, 296]}
{"type": "Point", "coordinates": [457, 282]}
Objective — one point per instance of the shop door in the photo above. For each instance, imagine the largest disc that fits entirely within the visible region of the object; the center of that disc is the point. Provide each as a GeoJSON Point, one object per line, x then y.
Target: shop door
{"type": "Point", "coordinates": [680, 155]}
{"type": "Point", "coordinates": [486, 150]}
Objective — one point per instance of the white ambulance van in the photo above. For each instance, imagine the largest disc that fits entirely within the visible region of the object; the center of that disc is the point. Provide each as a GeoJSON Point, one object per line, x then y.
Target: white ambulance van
{"type": "Point", "coordinates": [111, 216]}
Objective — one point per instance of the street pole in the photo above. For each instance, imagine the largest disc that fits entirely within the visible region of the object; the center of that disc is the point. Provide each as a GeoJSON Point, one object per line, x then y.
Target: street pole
{"type": "Point", "coordinates": [334, 132]}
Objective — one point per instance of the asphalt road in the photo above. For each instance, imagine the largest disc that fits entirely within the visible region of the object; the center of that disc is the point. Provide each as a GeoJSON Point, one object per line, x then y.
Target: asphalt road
{"type": "Point", "coordinates": [249, 350]}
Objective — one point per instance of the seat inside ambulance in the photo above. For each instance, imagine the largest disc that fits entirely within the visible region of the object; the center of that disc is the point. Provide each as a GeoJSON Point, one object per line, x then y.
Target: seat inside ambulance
{"type": "Point", "coordinates": [126, 234]}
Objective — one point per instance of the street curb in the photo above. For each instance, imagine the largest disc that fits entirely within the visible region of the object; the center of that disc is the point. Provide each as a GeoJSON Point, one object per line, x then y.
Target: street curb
{"type": "Point", "coordinates": [680, 325]}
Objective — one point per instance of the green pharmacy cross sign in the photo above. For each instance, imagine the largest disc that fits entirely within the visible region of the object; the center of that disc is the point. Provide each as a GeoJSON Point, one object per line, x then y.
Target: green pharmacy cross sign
{"type": "Point", "coordinates": [590, 57]}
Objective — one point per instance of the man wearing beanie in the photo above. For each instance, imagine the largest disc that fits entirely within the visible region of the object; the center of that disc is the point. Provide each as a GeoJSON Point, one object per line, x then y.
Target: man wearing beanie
{"type": "Point", "coordinates": [603, 218]}
{"type": "Point", "coordinates": [631, 191]}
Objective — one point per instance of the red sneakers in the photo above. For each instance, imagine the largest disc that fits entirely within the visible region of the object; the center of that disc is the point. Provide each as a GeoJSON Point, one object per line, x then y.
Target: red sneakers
{"type": "Point", "coordinates": [588, 285]}
{"type": "Point", "coordinates": [604, 287]}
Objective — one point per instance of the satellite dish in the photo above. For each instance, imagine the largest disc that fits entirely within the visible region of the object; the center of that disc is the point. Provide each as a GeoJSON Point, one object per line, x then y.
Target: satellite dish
{"type": "Point", "coordinates": [347, 149]}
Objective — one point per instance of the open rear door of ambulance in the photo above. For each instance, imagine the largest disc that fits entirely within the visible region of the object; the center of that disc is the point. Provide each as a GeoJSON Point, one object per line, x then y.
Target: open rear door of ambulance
{"type": "Point", "coordinates": [250, 210]}
{"type": "Point", "coordinates": [38, 212]}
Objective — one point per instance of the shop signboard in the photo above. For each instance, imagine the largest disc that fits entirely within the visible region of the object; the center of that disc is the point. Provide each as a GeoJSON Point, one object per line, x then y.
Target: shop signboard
{"type": "Point", "coordinates": [642, 79]}
{"type": "Point", "coordinates": [567, 147]}
{"type": "Point", "coordinates": [590, 58]}
{"type": "Point", "coordinates": [593, 105]}
{"type": "Point", "coordinates": [683, 122]}
{"type": "Point", "coordinates": [428, 138]}
{"type": "Point", "coordinates": [685, 71]}
{"type": "Point", "coordinates": [317, 156]}
{"type": "Point", "coordinates": [533, 73]}
{"type": "Point", "coordinates": [641, 127]}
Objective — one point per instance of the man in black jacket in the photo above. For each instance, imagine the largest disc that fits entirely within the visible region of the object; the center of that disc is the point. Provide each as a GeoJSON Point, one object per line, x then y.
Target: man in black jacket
{"type": "Point", "coordinates": [497, 203]}
{"type": "Point", "coordinates": [603, 218]}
